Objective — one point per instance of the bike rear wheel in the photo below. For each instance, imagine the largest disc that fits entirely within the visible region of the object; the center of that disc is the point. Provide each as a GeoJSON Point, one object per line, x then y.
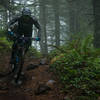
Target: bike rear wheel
{"type": "Point", "coordinates": [19, 66]}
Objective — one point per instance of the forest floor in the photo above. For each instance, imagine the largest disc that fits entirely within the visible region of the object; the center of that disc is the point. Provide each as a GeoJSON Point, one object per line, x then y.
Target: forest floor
{"type": "Point", "coordinates": [34, 78]}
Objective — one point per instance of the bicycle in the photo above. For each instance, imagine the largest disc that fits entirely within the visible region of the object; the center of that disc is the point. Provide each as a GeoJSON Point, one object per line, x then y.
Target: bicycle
{"type": "Point", "coordinates": [18, 61]}
{"type": "Point", "coordinates": [19, 56]}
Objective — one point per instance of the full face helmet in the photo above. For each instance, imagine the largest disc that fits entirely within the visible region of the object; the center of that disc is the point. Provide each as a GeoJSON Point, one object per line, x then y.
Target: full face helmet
{"type": "Point", "coordinates": [26, 11]}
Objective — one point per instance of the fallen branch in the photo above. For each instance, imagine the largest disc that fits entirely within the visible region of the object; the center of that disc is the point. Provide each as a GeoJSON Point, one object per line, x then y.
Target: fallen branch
{"type": "Point", "coordinates": [63, 51]}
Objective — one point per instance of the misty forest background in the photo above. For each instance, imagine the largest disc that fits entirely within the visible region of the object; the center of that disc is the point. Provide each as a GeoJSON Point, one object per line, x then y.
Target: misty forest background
{"type": "Point", "coordinates": [70, 38]}
{"type": "Point", "coordinates": [59, 19]}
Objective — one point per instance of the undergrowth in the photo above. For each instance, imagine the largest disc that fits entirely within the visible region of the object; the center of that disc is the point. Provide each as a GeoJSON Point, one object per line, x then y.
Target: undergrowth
{"type": "Point", "coordinates": [34, 53]}
{"type": "Point", "coordinates": [78, 69]}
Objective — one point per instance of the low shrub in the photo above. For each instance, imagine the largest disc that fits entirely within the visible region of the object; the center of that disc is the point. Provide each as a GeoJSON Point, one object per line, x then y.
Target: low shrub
{"type": "Point", "coordinates": [5, 46]}
{"type": "Point", "coordinates": [78, 68]}
{"type": "Point", "coordinates": [32, 52]}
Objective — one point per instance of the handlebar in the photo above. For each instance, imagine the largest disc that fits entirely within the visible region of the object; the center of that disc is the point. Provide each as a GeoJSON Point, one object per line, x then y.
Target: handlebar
{"type": "Point", "coordinates": [15, 37]}
{"type": "Point", "coordinates": [33, 39]}
{"type": "Point", "coordinates": [28, 38]}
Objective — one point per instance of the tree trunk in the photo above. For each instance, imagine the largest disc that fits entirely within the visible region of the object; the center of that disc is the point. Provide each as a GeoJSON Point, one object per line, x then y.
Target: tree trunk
{"type": "Point", "coordinates": [43, 43]}
{"type": "Point", "coordinates": [57, 22]}
{"type": "Point", "coordinates": [96, 6]}
{"type": "Point", "coordinates": [74, 26]}
{"type": "Point", "coordinates": [5, 18]}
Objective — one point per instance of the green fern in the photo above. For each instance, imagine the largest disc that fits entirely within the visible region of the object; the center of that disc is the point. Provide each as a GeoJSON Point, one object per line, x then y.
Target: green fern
{"type": "Point", "coordinates": [86, 45]}
{"type": "Point", "coordinates": [79, 68]}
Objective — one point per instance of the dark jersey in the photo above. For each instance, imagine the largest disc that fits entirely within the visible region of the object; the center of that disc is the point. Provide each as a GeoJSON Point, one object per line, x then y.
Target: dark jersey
{"type": "Point", "coordinates": [25, 24]}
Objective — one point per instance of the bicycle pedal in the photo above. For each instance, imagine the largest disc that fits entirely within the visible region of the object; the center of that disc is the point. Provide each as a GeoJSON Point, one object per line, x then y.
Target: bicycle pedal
{"type": "Point", "coordinates": [22, 73]}
{"type": "Point", "coordinates": [16, 83]}
{"type": "Point", "coordinates": [15, 76]}
{"type": "Point", "coordinates": [19, 82]}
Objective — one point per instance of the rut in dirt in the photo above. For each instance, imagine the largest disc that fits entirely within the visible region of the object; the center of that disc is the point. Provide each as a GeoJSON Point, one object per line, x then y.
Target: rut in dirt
{"type": "Point", "coordinates": [36, 86]}
{"type": "Point", "coordinates": [15, 97]}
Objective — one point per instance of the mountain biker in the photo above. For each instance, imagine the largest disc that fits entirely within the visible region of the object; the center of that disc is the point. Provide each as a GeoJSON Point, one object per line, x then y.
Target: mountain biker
{"type": "Point", "coordinates": [25, 24]}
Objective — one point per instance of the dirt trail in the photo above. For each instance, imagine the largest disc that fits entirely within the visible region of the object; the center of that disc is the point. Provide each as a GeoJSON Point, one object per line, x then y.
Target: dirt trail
{"type": "Point", "coordinates": [26, 91]}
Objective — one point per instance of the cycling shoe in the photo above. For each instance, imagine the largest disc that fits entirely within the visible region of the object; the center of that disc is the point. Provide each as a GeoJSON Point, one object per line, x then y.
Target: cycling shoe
{"type": "Point", "coordinates": [16, 82]}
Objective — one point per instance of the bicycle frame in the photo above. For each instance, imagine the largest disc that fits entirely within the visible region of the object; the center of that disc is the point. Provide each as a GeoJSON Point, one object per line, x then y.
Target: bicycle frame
{"type": "Point", "coordinates": [19, 57]}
